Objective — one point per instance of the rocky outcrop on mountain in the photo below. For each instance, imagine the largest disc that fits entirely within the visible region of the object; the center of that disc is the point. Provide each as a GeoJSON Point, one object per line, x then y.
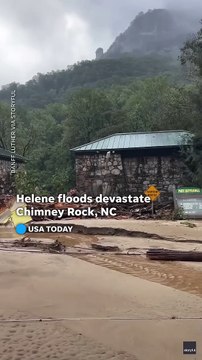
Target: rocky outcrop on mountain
{"type": "Point", "coordinates": [157, 31]}
{"type": "Point", "coordinates": [99, 53]}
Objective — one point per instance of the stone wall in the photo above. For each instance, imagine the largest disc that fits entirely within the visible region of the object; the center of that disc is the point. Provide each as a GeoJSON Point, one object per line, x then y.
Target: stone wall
{"type": "Point", "coordinates": [161, 171]}
{"type": "Point", "coordinates": [95, 174]}
{"type": "Point", "coordinates": [6, 181]}
{"type": "Point", "coordinates": [125, 174]}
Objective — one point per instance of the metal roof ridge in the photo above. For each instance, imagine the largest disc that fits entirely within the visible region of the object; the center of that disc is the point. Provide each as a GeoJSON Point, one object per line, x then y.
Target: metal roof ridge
{"type": "Point", "coordinates": [129, 133]}
{"type": "Point", "coordinates": [146, 132]}
{"type": "Point", "coordinates": [93, 141]}
{"type": "Point", "coordinates": [7, 153]}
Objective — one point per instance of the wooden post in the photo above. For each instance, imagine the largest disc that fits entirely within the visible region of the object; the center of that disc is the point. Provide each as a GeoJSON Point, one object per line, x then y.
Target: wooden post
{"type": "Point", "coordinates": [174, 197]}
{"type": "Point", "coordinates": [152, 208]}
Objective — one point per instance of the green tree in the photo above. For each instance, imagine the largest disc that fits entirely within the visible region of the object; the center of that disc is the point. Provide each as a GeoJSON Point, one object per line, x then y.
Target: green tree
{"type": "Point", "coordinates": [89, 111]}
{"type": "Point", "coordinates": [191, 56]}
{"type": "Point", "coordinates": [5, 126]}
{"type": "Point", "coordinates": [155, 105]}
{"type": "Point", "coordinates": [191, 53]}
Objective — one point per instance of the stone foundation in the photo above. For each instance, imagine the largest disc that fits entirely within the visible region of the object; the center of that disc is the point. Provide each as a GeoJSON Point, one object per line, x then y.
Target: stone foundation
{"type": "Point", "coordinates": [123, 174]}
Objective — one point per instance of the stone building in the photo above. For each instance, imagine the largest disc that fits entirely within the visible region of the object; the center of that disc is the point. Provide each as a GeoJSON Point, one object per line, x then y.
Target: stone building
{"type": "Point", "coordinates": [128, 163]}
{"type": "Point", "coordinates": [6, 180]}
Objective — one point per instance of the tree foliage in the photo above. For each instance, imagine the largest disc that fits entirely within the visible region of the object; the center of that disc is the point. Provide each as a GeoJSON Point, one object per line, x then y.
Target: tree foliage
{"type": "Point", "coordinates": [191, 52]}
{"type": "Point", "coordinates": [45, 136]}
{"type": "Point", "coordinates": [56, 86]}
{"type": "Point", "coordinates": [64, 109]}
{"type": "Point", "coordinates": [191, 55]}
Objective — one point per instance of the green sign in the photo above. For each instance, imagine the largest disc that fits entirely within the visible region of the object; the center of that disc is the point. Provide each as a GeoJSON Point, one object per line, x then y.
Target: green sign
{"type": "Point", "coordinates": [189, 190]}
{"type": "Point", "coordinates": [190, 200]}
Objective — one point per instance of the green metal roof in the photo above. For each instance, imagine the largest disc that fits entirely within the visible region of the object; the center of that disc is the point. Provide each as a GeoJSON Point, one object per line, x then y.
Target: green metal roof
{"type": "Point", "coordinates": [137, 140]}
{"type": "Point", "coordinates": [6, 155]}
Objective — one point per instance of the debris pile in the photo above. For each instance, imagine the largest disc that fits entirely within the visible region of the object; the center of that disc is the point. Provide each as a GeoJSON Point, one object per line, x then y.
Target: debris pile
{"type": "Point", "coordinates": [5, 202]}
{"type": "Point", "coordinates": [53, 247]}
{"type": "Point", "coordinates": [57, 247]}
{"type": "Point", "coordinates": [123, 211]}
{"type": "Point", "coordinates": [27, 242]}
{"type": "Point", "coordinates": [161, 210]}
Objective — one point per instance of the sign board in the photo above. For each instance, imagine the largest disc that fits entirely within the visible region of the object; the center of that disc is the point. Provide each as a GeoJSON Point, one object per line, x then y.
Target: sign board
{"type": "Point", "coordinates": [189, 190]}
{"type": "Point", "coordinates": [152, 192]}
{"type": "Point", "coordinates": [190, 200]}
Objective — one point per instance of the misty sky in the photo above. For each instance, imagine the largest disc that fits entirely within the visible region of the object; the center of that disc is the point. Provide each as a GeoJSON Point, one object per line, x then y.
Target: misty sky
{"type": "Point", "coordinates": [44, 35]}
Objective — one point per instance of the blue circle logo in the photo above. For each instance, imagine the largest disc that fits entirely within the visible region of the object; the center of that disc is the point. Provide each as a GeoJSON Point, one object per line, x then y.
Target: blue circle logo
{"type": "Point", "coordinates": [21, 229]}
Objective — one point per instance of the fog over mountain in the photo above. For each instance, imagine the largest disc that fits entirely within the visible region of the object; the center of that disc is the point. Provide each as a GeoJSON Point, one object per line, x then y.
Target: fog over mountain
{"type": "Point", "coordinates": [159, 31]}
{"type": "Point", "coordinates": [51, 34]}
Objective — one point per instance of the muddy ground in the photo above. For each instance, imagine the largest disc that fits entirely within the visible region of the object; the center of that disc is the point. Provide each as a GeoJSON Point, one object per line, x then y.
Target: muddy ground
{"type": "Point", "coordinates": [104, 305]}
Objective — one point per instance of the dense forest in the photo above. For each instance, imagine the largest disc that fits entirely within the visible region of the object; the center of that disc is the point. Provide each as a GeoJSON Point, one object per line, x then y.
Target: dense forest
{"type": "Point", "coordinates": [63, 109]}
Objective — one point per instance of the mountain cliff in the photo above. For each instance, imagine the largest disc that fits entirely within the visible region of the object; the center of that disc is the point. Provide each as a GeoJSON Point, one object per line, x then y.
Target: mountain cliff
{"type": "Point", "coordinates": [157, 31]}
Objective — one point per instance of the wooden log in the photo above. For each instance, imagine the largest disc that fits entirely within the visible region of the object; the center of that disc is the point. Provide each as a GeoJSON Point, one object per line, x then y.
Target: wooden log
{"type": "Point", "coordinates": [174, 255]}
{"type": "Point", "coordinates": [104, 247]}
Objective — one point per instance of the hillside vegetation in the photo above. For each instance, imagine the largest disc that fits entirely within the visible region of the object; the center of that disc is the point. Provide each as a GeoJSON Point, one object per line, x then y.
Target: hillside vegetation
{"type": "Point", "coordinates": [56, 86]}
{"type": "Point", "coordinates": [62, 109]}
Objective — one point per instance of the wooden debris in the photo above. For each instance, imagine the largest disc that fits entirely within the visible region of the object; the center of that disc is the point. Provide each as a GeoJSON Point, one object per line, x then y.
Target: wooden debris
{"type": "Point", "coordinates": [124, 210]}
{"type": "Point", "coordinates": [104, 247]}
{"type": "Point", "coordinates": [27, 242]}
{"type": "Point", "coordinates": [56, 246]}
{"type": "Point", "coordinates": [162, 210]}
{"type": "Point", "coordinates": [173, 255]}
